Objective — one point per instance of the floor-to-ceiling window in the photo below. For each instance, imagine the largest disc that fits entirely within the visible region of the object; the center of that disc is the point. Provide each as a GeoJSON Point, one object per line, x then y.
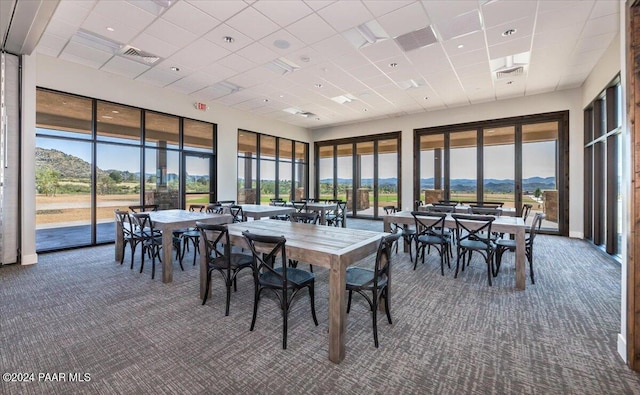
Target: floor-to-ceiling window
{"type": "Point", "coordinates": [363, 171]}
{"type": "Point", "coordinates": [515, 161]}
{"type": "Point", "coordinates": [91, 160]}
{"type": "Point", "coordinates": [268, 167]}
{"type": "Point", "coordinates": [602, 139]}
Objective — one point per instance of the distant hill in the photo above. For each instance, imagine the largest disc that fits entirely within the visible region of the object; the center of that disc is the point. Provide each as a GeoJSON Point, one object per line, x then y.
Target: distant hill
{"type": "Point", "coordinates": [68, 166]}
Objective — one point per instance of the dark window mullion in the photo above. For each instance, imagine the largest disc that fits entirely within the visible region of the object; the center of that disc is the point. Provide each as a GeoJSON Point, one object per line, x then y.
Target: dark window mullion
{"type": "Point", "coordinates": [518, 169]}
{"type": "Point", "coordinates": [447, 166]}
{"type": "Point", "coordinates": [480, 165]}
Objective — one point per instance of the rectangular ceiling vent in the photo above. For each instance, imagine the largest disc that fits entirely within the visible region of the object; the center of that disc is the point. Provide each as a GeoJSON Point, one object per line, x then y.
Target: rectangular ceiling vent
{"type": "Point", "coordinates": [133, 53]}
{"type": "Point", "coordinates": [509, 72]}
{"type": "Point", "coordinates": [416, 39]}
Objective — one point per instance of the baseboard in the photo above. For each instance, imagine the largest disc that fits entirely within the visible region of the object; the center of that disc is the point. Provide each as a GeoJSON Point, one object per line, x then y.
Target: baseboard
{"type": "Point", "coordinates": [29, 259]}
{"type": "Point", "coordinates": [622, 347]}
{"type": "Point", "coordinates": [576, 235]}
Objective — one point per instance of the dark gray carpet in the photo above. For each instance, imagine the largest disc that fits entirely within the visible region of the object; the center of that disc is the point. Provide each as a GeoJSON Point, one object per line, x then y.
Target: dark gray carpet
{"type": "Point", "coordinates": [79, 311]}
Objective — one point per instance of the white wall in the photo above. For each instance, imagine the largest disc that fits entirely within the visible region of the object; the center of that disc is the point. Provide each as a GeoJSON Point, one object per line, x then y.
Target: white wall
{"type": "Point", "coordinates": [73, 78]}
{"type": "Point", "coordinates": [603, 73]}
{"type": "Point", "coordinates": [558, 101]}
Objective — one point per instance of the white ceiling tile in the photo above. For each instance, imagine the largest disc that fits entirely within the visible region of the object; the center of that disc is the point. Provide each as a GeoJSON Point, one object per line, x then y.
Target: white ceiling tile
{"type": "Point", "coordinates": [510, 48]}
{"type": "Point", "coordinates": [499, 12]}
{"type": "Point", "coordinates": [282, 37]}
{"type": "Point", "coordinates": [474, 70]}
{"type": "Point", "coordinates": [350, 61]}
{"type": "Point", "coordinates": [469, 42]}
{"type": "Point", "coordinates": [430, 59]}
{"type": "Point", "coordinates": [318, 4]}
{"type": "Point", "coordinates": [218, 72]}
{"type": "Point", "coordinates": [605, 24]}
{"type": "Point", "coordinates": [237, 63]}
{"type": "Point", "coordinates": [258, 53]}
{"type": "Point", "coordinates": [558, 20]}
{"type": "Point", "coordinates": [72, 12]}
{"type": "Point", "coordinates": [602, 8]}
{"type": "Point", "coordinates": [569, 34]}
{"type": "Point", "coordinates": [54, 44]}
{"type": "Point", "coordinates": [199, 21]}
{"type": "Point", "coordinates": [376, 82]}
{"type": "Point", "coordinates": [86, 56]}
{"type": "Point", "coordinates": [404, 20]}
{"type": "Point", "coordinates": [235, 98]}
{"type": "Point", "coordinates": [192, 83]}
{"type": "Point", "coordinates": [219, 9]}
{"type": "Point", "coordinates": [381, 50]}
{"type": "Point", "coordinates": [170, 33]}
{"type": "Point", "coordinates": [333, 46]}
{"type": "Point", "coordinates": [469, 58]}
{"type": "Point", "coordinates": [595, 42]}
{"type": "Point", "coordinates": [367, 71]}
{"type": "Point", "coordinates": [283, 12]}
{"type": "Point", "coordinates": [523, 27]}
{"type": "Point", "coordinates": [459, 25]}
{"type": "Point", "coordinates": [158, 77]}
{"type": "Point", "coordinates": [217, 35]}
{"type": "Point", "coordinates": [563, 5]}
{"type": "Point", "coordinates": [311, 29]}
{"type": "Point", "coordinates": [381, 7]}
{"type": "Point", "coordinates": [252, 23]}
{"type": "Point", "coordinates": [154, 45]}
{"type": "Point", "coordinates": [440, 10]}
{"type": "Point", "coordinates": [125, 67]}
{"type": "Point", "coordinates": [200, 53]}
{"type": "Point", "coordinates": [125, 13]}
{"type": "Point", "coordinates": [252, 77]}
{"type": "Point", "coordinates": [98, 24]}
{"type": "Point", "coordinates": [62, 29]}
{"type": "Point", "coordinates": [343, 15]}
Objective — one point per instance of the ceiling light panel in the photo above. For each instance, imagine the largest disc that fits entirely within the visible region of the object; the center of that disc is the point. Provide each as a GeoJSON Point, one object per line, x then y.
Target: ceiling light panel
{"type": "Point", "coordinates": [343, 99]}
{"type": "Point", "coordinates": [282, 66]}
{"type": "Point", "coordinates": [366, 34]}
{"type": "Point", "coordinates": [460, 25]}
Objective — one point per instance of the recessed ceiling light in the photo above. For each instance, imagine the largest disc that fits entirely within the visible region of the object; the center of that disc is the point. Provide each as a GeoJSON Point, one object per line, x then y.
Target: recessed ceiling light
{"type": "Point", "coordinates": [509, 82]}
{"type": "Point", "coordinates": [282, 44]}
{"type": "Point", "coordinates": [305, 59]}
{"type": "Point", "coordinates": [426, 98]}
{"type": "Point", "coordinates": [109, 28]}
{"type": "Point", "coordinates": [281, 95]}
{"type": "Point", "coordinates": [365, 110]}
{"type": "Point", "coordinates": [266, 100]}
{"type": "Point", "coordinates": [175, 68]}
{"type": "Point", "coordinates": [509, 32]}
{"type": "Point", "coordinates": [318, 85]}
{"type": "Point", "coordinates": [115, 112]}
{"type": "Point", "coordinates": [228, 39]}
{"type": "Point", "coordinates": [394, 64]}
{"type": "Point", "coordinates": [460, 46]}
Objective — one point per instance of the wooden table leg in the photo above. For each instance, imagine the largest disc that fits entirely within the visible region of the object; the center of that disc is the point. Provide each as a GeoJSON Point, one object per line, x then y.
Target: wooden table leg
{"type": "Point", "coordinates": [323, 217]}
{"type": "Point", "coordinates": [167, 255]}
{"type": "Point", "coordinates": [337, 310]}
{"type": "Point", "coordinates": [520, 259]}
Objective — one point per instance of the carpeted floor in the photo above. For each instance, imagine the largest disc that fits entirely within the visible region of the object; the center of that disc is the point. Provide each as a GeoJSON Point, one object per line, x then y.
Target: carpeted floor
{"type": "Point", "coordinates": [80, 312]}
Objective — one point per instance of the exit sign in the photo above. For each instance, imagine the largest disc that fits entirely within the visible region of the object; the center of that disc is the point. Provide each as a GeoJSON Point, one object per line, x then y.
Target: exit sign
{"type": "Point", "coordinates": [201, 106]}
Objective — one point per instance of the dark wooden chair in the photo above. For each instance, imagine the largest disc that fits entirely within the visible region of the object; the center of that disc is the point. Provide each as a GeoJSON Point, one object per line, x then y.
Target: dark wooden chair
{"type": "Point", "coordinates": [336, 217]}
{"type": "Point", "coordinates": [526, 210]}
{"type": "Point", "coordinates": [130, 235]}
{"type": "Point", "coordinates": [310, 218]}
{"type": "Point", "coordinates": [213, 208]}
{"type": "Point", "coordinates": [431, 233]}
{"type": "Point", "coordinates": [191, 235]}
{"type": "Point", "coordinates": [502, 245]}
{"type": "Point", "coordinates": [364, 281]}
{"type": "Point", "coordinates": [143, 207]}
{"type": "Point", "coordinates": [473, 234]}
{"type": "Point", "coordinates": [221, 259]}
{"type": "Point", "coordinates": [408, 234]}
{"type": "Point", "coordinates": [283, 281]}
{"type": "Point", "coordinates": [151, 240]}
{"type": "Point", "coordinates": [237, 213]}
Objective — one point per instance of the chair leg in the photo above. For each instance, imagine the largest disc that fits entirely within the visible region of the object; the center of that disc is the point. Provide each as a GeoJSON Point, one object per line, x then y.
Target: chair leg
{"type": "Point", "coordinates": [349, 302]}
{"type": "Point", "coordinates": [415, 264]}
{"type": "Point", "coordinates": [196, 249]}
{"type": "Point", "coordinates": [375, 320]}
{"type": "Point", "coordinates": [313, 303]}
{"type": "Point", "coordinates": [228, 284]}
{"type": "Point", "coordinates": [142, 254]}
{"type": "Point", "coordinates": [256, 297]}
{"type": "Point", "coordinates": [386, 306]}
{"type": "Point", "coordinates": [458, 263]}
{"type": "Point", "coordinates": [133, 251]}
{"type": "Point", "coordinates": [206, 291]}
{"type": "Point", "coordinates": [153, 265]}
{"type": "Point", "coordinates": [285, 316]}
{"type": "Point", "coordinates": [530, 256]}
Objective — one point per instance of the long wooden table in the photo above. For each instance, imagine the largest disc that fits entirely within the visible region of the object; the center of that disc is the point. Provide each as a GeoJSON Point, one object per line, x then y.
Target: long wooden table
{"type": "Point", "coordinates": [322, 208]}
{"type": "Point", "coordinates": [503, 224]}
{"type": "Point", "coordinates": [326, 246]}
{"type": "Point", "coordinates": [167, 221]}
{"type": "Point", "coordinates": [257, 211]}
{"type": "Point", "coordinates": [464, 209]}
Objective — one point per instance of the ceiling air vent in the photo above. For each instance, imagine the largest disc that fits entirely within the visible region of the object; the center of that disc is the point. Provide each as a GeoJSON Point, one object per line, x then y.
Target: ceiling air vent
{"type": "Point", "coordinates": [509, 72]}
{"type": "Point", "coordinates": [133, 53]}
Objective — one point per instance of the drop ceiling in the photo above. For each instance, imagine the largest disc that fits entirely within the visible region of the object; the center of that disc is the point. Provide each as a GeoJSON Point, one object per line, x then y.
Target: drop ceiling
{"type": "Point", "coordinates": [317, 63]}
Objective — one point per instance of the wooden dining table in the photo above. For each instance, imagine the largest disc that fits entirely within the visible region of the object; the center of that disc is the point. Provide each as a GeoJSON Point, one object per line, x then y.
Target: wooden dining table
{"type": "Point", "coordinates": [323, 208]}
{"type": "Point", "coordinates": [258, 211]}
{"type": "Point", "coordinates": [331, 247]}
{"type": "Point", "coordinates": [502, 224]}
{"type": "Point", "coordinates": [167, 221]}
{"type": "Point", "coordinates": [465, 209]}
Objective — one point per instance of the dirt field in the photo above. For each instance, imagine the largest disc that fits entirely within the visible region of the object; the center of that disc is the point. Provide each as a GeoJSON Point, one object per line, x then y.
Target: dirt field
{"type": "Point", "coordinates": [74, 208]}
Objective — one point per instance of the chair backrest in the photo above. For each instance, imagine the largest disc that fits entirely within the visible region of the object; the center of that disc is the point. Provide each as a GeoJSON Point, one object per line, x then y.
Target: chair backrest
{"type": "Point", "coordinates": [215, 208]}
{"type": "Point", "coordinates": [493, 204]}
{"type": "Point", "coordinates": [299, 205]}
{"type": "Point", "coordinates": [417, 204]}
{"type": "Point", "coordinates": [226, 202]}
{"type": "Point", "coordinates": [236, 213]}
{"type": "Point", "coordinates": [265, 251]}
{"type": "Point", "coordinates": [485, 210]}
{"type": "Point", "coordinates": [124, 222]}
{"type": "Point", "coordinates": [535, 227]}
{"type": "Point", "coordinates": [526, 209]}
{"type": "Point", "coordinates": [216, 240]}
{"type": "Point", "coordinates": [429, 223]}
{"type": "Point", "coordinates": [390, 209]}
{"type": "Point", "coordinates": [277, 202]}
{"type": "Point", "coordinates": [334, 200]}
{"type": "Point", "coordinates": [144, 224]}
{"type": "Point", "coordinates": [474, 227]}
{"type": "Point", "coordinates": [143, 207]}
{"type": "Point", "coordinates": [436, 208]}
{"type": "Point", "coordinates": [340, 209]}
{"type": "Point", "coordinates": [309, 200]}
{"type": "Point", "coordinates": [383, 257]}
{"type": "Point", "coordinates": [445, 203]}
{"type": "Point", "coordinates": [199, 207]}
{"type": "Point", "coordinates": [305, 218]}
